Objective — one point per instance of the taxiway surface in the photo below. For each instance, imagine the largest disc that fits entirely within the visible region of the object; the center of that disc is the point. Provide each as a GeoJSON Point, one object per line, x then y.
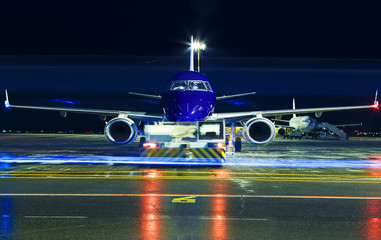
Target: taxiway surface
{"type": "Point", "coordinates": [285, 190]}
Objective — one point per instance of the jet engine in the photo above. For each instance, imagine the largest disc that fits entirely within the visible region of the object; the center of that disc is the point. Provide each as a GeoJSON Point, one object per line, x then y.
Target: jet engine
{"type": "Point", "coordinates": [259, 131]}
{"type": "Point", "coordinates": [121, 131]}
{"type": "Point", "coordinates": [281, 131]}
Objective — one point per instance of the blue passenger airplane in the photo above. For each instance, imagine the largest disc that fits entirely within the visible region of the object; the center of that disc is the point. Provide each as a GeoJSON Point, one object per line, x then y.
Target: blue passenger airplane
{"type": "Point", "coordinates": [189, 96]}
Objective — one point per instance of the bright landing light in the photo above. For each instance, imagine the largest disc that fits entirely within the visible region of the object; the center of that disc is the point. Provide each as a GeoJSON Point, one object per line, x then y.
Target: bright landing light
{"type": "Point", "coordinates": [197, 45]}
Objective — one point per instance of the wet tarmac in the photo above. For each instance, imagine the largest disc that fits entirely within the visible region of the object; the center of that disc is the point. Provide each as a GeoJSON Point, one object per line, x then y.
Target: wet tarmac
{"type": "Point", "coordinates": [81, 187]}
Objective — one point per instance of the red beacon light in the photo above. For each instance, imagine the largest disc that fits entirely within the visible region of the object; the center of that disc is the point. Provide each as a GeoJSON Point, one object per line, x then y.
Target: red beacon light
{"type": "Point", "coordinates": [150, 145]}
{"type": "Point", "coordinates": [376, 105]}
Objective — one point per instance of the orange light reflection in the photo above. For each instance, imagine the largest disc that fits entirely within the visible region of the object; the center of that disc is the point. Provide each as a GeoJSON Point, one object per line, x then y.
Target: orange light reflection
{"type": "Point", "coordinates": [150, 207]}
{"type": "Point", "coordinates": [373, 223]}
{"type": "Point", "coordinates": [219, 226]}
{"type": "Point", "coordinates": [375, 158]}
{"type": "Point", "coordinates": [220, 173]}
{"type": "Point", "coordinates": [373, 207]}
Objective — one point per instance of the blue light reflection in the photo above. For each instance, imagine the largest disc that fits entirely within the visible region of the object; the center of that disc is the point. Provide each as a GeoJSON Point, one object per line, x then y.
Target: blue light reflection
{"type": "Point", "coordinates": [148, 101]}
{"type": "Point", "coordinates": [245, 162]}
{"type": "Point", "coordinates": [4, 168]}
{"type": "Point", "coordinates": [6, 219]}
{"type": "Point", "coordinates": [237, 103]}
{"type": "Point", "coordinates": [65, 101]}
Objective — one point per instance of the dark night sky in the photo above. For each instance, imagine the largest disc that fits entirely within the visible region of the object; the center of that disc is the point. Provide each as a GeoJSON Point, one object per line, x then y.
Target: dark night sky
{"type": "Point", "coordinates": [272, 47]}
{"type": "Point", "coordinates": [308, 29]}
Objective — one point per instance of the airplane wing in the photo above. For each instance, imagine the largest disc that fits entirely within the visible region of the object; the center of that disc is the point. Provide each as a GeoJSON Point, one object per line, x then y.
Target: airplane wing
{"type": "Point", "coordinates": [130, 114]}
{"type": "Point", "coordinates": [234, 116]}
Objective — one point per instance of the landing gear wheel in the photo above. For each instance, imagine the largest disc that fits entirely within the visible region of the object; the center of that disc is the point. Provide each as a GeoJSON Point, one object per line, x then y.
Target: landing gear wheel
{"type": "Point", "coordinates": [142, 141]}
{"type": "Point", "coordinates": [238, 144]}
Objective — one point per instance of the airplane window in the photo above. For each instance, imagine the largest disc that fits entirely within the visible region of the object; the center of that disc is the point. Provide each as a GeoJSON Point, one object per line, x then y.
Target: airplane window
{"type": "Point", "coordinates": [196, 85]}
{"type": "Point", "coordinates": [208, 86]}
{"type": "Point", "coordinates": [180, 85]}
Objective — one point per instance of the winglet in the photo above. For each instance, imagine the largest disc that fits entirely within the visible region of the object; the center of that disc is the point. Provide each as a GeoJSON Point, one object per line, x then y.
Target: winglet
{"type": "Point", "coordinates": [6, 103]}
{"type": "Point", "coordinates": [375, 104]}
{"type": "Point", "coordinates": [293, 106]}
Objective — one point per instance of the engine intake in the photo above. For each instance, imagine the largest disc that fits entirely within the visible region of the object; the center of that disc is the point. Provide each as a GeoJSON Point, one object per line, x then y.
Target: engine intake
{"type": "Point", "coordinates": [121, 131]}
{"type": "Point", "coordinates": [259, 131]}
{"type": "Point", "coordinates": [281, 132]}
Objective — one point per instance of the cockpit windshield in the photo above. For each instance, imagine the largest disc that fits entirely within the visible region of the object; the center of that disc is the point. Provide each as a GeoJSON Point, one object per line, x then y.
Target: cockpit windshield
{"type": "Point", "coordinates": [180, 85]}
{"type": "Point", "coordinates": [194, 85]}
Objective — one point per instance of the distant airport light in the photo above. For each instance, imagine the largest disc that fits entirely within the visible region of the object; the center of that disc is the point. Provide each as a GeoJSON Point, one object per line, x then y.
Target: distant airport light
{"type": "Point", "coordinates": [197, 45]}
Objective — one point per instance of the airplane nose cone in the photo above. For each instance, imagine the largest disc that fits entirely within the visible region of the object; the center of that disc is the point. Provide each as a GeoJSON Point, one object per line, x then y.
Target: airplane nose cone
{"type": "Point", "coordinates": [188, 106]}
{"type": "Point", "coordinates": [190, 111]}
{"type": "Point", "coordinates": [187, 111]}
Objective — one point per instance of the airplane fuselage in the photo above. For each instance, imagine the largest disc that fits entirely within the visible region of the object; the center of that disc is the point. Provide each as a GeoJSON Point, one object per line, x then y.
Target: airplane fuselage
{"type": "Point", "coordinates": [304, 123]}
{"type": "Point", "coordinates": [189, 96]}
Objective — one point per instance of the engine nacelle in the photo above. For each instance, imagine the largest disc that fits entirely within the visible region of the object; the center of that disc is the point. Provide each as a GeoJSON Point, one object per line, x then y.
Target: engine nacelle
{"type": "Point", "coordinates": [280, 131]}
{"type": "Point", "coordinates": [121, 131]}
{"type": "Point", "coordinates": [259, 131]}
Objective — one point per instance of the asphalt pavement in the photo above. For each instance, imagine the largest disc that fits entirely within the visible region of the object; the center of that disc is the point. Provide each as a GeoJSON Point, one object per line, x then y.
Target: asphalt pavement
{"type": "Point", "coordinates": [296, 195]}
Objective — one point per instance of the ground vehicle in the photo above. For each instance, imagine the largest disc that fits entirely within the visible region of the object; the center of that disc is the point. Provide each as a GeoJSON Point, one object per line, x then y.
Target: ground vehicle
{"type": "Point", "coordinates": [200, 139]}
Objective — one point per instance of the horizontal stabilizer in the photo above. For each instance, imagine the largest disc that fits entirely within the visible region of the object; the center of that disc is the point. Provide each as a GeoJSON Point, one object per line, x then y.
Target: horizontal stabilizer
{"type": "Point", "coordinates": [146, 95]}
{"type": "Point", "coordinates": [349, 125]}
{"type": "Point", "coordinates": [235, 95]}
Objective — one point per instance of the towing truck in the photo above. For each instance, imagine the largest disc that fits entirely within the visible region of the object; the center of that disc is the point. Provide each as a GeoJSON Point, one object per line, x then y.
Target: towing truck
{"type": "Point", "coordinates": [200, 139]}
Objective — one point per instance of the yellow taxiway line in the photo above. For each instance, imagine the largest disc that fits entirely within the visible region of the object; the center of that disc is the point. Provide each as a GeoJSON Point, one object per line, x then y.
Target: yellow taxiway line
{"type": "Point", "coordinates": [192, 175]}
{"type": "Point", "coordinates": [187, 195]}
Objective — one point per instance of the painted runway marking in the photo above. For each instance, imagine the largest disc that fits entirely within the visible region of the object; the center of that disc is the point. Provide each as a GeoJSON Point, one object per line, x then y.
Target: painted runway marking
{"type": "Point", "coordinates": [190, 199]}
{"type": "Point", "coordinates": [57, 217]}
{"type": "Point", "coordinates": [179, 195]}
{"type": "Point", "coordinates": [231, 219]}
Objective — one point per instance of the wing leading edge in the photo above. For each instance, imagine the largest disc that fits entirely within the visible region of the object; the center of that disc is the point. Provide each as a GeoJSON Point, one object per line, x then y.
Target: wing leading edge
{"type": "Point", "coordinates": [131, 114]}
{"type": "Point", "coordinates": [268, 113]}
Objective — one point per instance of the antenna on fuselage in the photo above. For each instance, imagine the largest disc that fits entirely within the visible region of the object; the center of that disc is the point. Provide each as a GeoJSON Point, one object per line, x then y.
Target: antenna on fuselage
{"type": "Point", "coordinates": [191, 64]}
